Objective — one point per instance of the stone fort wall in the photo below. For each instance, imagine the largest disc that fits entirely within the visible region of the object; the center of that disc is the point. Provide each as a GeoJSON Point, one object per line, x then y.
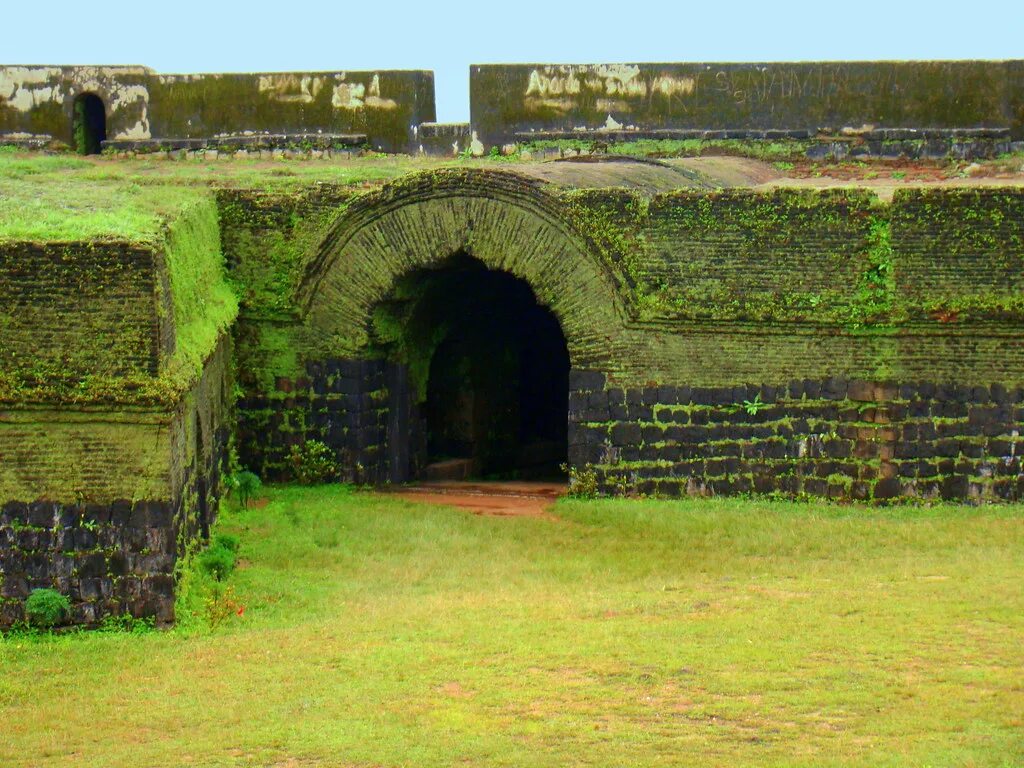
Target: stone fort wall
{"type": "Point", "coordinates": [147, 111]}
{"type": "Point", "coordinates": [916, 109]}
{"type": "Point", "coordinates": [819, 343]}
{"type": "Point", "coordinates": [800, 342]}
{"type": "Point", "coordinates": [115, 414]}
{"type": "Point", "coordinates": [773, 100]}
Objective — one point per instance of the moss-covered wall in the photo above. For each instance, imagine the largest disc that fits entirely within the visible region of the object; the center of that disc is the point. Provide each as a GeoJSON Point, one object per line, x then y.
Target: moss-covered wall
{"type": "Point", "coordinates": [734, 290]}
{"type": "Point", "coordinates": [381, 105]}
{"type": "Point", "coordinates": [39, 100]}
{"type": "Point", "coordinates": [115, 407]}
{"type": "Point", "coordinates": [77, 309]}
{"type": "Point", "coordinates": [83, 455]}
{"type": "Point", "coordinates": [140, 105]}
{"type": "Point", "coordinates": [114, 321]}
{"type": "Point", "coordinates": [835, 437]}
{"type": "Point", "coordinates": [959, 255]}
{"type": "Point", "coordinates": [199, 436]}
{"type": "Point", "coordinates": [100, 503]}
{"type": "Point", "coordinates": [511, 99]}
{"type": "Point", "coordinates": [834, 256]}
{"type": "Point", "coordinates": [269, 236]}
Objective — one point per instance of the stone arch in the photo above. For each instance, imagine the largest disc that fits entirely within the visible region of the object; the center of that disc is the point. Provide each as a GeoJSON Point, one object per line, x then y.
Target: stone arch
{"type": "Point", "coordinates": [508, 222]}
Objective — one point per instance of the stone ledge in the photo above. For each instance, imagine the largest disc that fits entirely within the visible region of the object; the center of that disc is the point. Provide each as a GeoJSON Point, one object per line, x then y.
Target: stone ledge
{"type": "Point", "coordinates": [240, 142]}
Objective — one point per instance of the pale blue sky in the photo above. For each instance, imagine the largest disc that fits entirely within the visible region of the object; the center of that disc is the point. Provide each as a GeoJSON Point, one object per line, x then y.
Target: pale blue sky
{"type": "Point", "coordinates": [191, 36]}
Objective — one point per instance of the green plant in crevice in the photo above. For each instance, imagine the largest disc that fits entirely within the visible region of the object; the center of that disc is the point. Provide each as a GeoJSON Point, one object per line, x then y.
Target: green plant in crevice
{"type": "Point", "coordinates": [753, 407]}
{"type": "Point", "coordinates": [582, 481]}
{"type": "Point", "coordinates": [46, 608]}
{"type": "Point", "coordinates": [873, 299]}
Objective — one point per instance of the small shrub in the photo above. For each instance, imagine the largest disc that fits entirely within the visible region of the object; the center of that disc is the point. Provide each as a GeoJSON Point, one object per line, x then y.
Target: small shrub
{"type": "Point", "coordinates": [46, 608]}
{"type": "Point", "coordinates": [582, 481]}
{"type": "Point", "coordinates": [217, 561]}
{"type": "Point", "coordinates": [312, 462]}
{"type": "Point", "coordinates": [226, 540]}
{"type": "Point", "coordinates": [125, 622]}
{"type": "Point", "coordinates": [244, 485]}
{"type": "Point", "coordinates": [221, 605]}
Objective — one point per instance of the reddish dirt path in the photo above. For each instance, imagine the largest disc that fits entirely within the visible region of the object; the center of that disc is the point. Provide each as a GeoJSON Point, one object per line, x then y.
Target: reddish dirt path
{"type": "Point", "coordinates": [500, 499]}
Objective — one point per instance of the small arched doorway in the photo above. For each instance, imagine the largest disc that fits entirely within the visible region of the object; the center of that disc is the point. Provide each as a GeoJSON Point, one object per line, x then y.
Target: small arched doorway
{"type": "Point", "coordinates": [89, 125]}
{"type": "Point", "coordinates": [488, 366]}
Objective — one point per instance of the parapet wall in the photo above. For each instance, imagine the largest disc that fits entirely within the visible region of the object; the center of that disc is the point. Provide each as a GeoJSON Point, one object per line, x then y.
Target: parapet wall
{"type": "Point", "coordinates": [148, 110]}
{"type": "Point", "coordinates": [912, 108]}
{"type": "Point", "coordinates": [518, 101]}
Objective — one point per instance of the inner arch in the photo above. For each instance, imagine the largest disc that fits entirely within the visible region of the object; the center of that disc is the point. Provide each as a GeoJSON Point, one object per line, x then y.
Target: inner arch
{"type": "Point", "coordinates": [489, 370]}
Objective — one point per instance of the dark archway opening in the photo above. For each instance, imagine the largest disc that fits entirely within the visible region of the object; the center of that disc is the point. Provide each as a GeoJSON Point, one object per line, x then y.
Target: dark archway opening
{"type": "Point", "coordinates": [89, 126]}
{"type": "Point", "coordinates": [489, 370]}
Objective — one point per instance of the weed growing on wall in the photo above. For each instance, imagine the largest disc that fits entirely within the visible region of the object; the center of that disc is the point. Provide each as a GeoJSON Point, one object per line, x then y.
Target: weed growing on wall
{"type": "Point", "coordinates": [873, 300]}
{"type": "Point", "coordinates": [753, 407]}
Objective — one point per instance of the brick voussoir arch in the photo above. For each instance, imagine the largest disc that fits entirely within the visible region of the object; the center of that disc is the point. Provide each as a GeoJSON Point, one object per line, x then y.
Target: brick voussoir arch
{"type": "Point", "coordinates": [505, 220]}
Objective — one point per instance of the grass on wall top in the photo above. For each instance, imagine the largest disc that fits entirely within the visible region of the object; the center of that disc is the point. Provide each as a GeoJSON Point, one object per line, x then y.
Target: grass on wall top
{"type": "Point", "coordinates": [62, 197]}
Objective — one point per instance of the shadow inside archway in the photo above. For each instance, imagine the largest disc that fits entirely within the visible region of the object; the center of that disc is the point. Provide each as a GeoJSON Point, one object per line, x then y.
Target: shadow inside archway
{"type": "Point", "coordinates": [489, 369]}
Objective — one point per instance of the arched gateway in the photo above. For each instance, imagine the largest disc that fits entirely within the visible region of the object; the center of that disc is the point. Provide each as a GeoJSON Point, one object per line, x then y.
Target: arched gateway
{"type": "Point", "coordinates": [453, 303]}
{"type": "Point", "coordinates": [504, 220]}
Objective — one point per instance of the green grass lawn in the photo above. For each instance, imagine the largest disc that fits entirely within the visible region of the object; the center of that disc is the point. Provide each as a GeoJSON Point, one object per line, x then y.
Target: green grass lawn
{"type": "Point", "coordinates": [377, 632]}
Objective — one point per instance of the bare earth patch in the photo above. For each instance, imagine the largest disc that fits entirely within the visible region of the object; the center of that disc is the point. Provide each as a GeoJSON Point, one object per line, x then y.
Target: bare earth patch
{"type": "Point", "coordinates": [502, 499]}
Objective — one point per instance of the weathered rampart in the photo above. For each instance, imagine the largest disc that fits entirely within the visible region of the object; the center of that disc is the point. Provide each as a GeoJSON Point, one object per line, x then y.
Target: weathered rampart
{"type": "Point", "coordinates": [826, 109]}
{"type": "Point", "coordinates": [885, 102]}
{"type": "Point", "coordinates": [701, 337]}
{"type": "Point", "coordinates": [115, 408]}
{"type": "Point", "coordinates": [798, 341]}
{"type": "Point", "coordinates": [148, 111]}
